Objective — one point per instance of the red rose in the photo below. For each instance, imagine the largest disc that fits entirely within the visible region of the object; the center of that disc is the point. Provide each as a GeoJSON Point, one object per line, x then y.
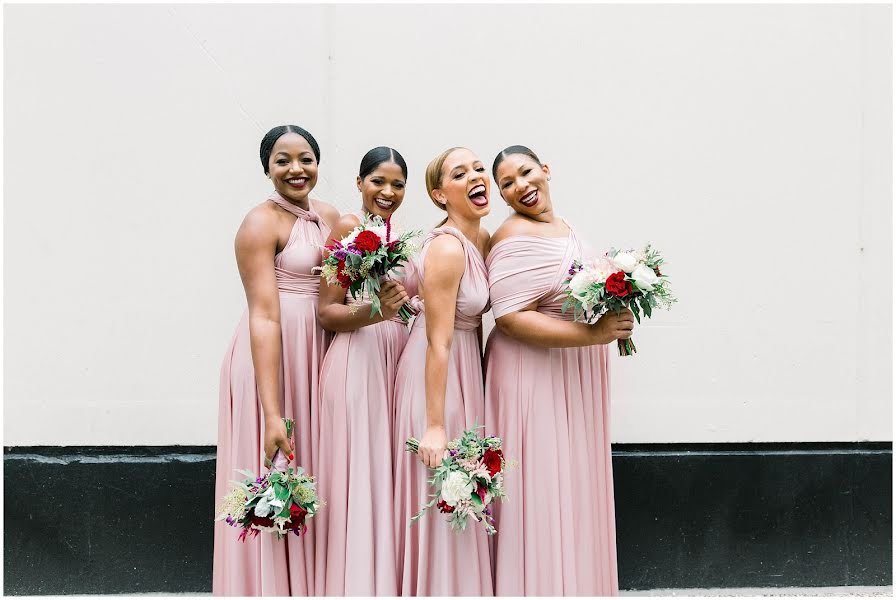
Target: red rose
{"type": "Point", "coordinates": [343, 279]}
{"type": "Point", "coordinates": [492, 460]}
{"type": "Point", "coordinates": [444, 506]}
{"type": "Point", "coordinates": [297, 517]}
{"type": "Point", "coordinates": [618, 286]}
{"type": "Point", "coordinates": [367, 241]}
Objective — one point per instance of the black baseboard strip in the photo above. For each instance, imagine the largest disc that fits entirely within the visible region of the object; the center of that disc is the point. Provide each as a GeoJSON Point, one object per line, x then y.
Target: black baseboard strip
{"type": "Point", "coordinates": [106, 520]}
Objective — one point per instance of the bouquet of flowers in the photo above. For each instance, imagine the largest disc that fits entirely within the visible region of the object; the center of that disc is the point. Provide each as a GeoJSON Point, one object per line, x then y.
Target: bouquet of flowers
{"type": "Point", "coordinates": [367, 256]}
{"type": "Point", "coordinates": [469, 479]}
{"type": "Point", "coordinates": [619, 279]}
{"type": "Point", "coordinates": [278, 502]}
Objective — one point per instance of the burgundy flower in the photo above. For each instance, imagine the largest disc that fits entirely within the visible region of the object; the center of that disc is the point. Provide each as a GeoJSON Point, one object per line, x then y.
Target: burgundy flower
{"type": "Point", "coordinates": [297, 517]}
{"type": "Point", "coordinates": [261, 521]}
{"type": "Point", "coordinates": [444, 506]}
{"type": "Point", "coordinates": [343, 279]}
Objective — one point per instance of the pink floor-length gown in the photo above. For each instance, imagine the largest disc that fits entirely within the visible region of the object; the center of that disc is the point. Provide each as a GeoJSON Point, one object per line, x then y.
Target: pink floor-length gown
{"type": "Point", "coordinates": [433, 560]}
{"type": "Point", "coordinates": [264, 565]}
{"type": "Point", "coordinates": [557, 532]}
{"type": "Point", "coordinates": [355, 552]}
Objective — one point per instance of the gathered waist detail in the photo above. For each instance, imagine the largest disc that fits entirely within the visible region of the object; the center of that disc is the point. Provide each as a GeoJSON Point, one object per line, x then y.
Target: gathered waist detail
{"type": "Point", "coordinates": [297, 283]}
{"type": "Point", "coordinates": [461, 322]}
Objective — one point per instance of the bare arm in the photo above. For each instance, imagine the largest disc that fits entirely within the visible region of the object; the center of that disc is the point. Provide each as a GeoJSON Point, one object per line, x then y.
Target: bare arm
{"type": "Point", "coordinates": [542, 330]}
{"type": "Point", "coordinates": [443, 269]}
{"type": "Point", "coordinates": [328, 212]}
{"type": "Point", "coordinates": [334, 315]}
{"type": "Point", "coordinates": [532, 327]}
{"type": "Point", "coordinates": [256, 245]}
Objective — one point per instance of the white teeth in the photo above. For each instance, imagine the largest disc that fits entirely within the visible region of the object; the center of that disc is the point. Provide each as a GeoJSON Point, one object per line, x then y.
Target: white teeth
{"type": "Point", "coordinates": [384, 203]}
{"type": "Point", "coordinates": [477, 189]}
{"type": "Point", "coordinates": [297, 180]}
{"type": "Point", "coordinates": [529, 198]}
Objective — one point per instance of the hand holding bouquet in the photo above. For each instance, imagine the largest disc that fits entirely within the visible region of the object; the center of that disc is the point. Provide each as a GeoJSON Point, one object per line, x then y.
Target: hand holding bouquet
{"type": "Point", "coordinates": [360, 261]}
{"type": "Point", "coordinates": [278, 502]}
{"type": "Point", "coordinates": [468, 481]}
{"type": "Point", "coordinates": [619, 279]}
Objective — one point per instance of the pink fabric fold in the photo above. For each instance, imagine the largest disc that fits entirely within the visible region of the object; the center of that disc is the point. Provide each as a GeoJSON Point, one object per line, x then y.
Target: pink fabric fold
{"type": "Point", "coordinates": [468, 314]}
{"type": "Point", "coordinates": [264, 565]}
{"type": "Point", "coordinates": [556, 533]}
{"type": "Point", "coordinates": [355, 543]}
{"type": "Point", "coordinates": [433, 560]}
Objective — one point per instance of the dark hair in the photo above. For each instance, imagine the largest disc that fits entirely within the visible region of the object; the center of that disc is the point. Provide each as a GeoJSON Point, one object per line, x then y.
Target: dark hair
{"type": "Point", "coordinates": [271, 137]}
{"type": "Point", "coordinates": [508, 151]}
{"type": "Point", "coordinates": [378, 156]}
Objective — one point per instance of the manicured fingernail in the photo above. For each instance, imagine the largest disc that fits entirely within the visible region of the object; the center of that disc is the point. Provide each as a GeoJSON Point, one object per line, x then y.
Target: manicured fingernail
{"type": "Point", "coordinates": [292, 456]}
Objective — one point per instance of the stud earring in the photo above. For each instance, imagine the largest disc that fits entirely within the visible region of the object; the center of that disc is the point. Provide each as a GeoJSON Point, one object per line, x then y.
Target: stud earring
{"type": "Point", "coordinates": [549, 177]}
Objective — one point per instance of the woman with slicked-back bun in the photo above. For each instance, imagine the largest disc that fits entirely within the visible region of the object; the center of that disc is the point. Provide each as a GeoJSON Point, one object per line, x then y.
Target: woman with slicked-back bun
{"type": "Point", "coordinates": [270, 370]}
{"type": "Point", "coordinates": [438, 387]}
{"type": "Point", "coordinates": [355, 551]}
{"type": "Point", "coordinates": [547, 396]}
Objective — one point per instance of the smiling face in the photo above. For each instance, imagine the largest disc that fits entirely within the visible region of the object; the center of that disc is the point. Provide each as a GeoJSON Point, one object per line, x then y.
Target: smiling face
{"type": "Point", "coordinates": [293, 167]}
{"type": "Point", "coordinates": [523, 184]}
{"type": "Point", "coordinates": [382, 191]}
{"type": "Point", "coordinates": [464, 186]}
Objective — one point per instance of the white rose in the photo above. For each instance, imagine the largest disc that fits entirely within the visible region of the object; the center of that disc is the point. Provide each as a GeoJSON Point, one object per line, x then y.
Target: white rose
{"type": "Point", "coordinates": [456, 487]}
{"type": "Point", "coordinates": [625, 261]}
{"type": "Point", "coordinates": [379, 230]}
{"type": "Point", "coordinates": [351, 236]}
{"type": "Point", "coordinates": [644, 278]}
{"type": "Point", "coordinates": [580, 282]}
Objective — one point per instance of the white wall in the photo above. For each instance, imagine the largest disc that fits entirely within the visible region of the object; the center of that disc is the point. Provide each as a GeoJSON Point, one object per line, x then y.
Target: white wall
{"type": "Point", "coordinates": [751, 144]}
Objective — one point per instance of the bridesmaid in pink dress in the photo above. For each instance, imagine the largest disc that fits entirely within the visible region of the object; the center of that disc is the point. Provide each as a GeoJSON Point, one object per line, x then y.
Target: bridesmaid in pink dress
{"type": "Point", "coordinates": [547, 396]}
{"type": "Point", "coordinates": [355, 552]}
{"type": "Point", "coordinates": [439, 388]}
{"type": "Point", "coordinates": [271, 367]}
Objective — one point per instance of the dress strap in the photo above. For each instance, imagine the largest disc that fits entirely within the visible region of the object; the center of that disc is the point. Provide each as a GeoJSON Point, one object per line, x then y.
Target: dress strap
{"type": "Point", "coordinates": [308, 215]}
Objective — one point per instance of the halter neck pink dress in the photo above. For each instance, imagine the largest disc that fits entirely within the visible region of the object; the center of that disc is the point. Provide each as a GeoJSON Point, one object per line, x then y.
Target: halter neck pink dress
{"type": "Point", "coordinates": [556, 533]}
{"type": "Point", "coordinates": [263, 565]}
{"type": "Point", "coordinates": [433, 560]}
{"type": "Point", "coordinates": [355, 553]}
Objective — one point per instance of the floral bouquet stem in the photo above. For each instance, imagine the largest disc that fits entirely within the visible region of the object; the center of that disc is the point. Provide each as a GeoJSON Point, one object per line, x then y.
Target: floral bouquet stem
{"type": "Point", "coordinates": [626, 347]}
